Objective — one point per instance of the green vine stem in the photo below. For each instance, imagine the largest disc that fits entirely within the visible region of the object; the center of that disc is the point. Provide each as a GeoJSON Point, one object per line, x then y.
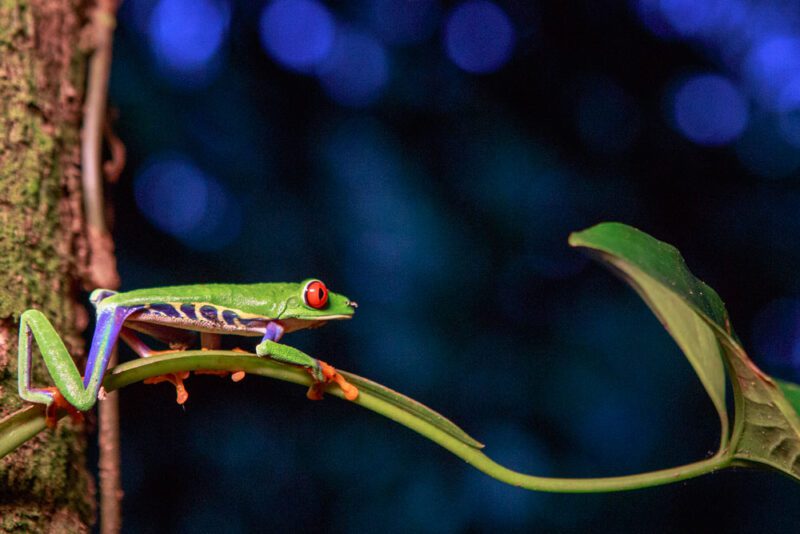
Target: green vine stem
{"type": "Point", "coordinates": [27, 422]}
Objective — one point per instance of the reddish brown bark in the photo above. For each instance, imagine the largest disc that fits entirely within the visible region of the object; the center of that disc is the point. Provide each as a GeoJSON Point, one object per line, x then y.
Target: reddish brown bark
{"type": "Point", "coordinates": [44, 485]}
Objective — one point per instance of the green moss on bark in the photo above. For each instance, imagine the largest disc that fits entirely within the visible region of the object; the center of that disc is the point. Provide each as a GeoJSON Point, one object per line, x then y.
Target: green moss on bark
{"type": "Point", "coordinates": [44, 486]}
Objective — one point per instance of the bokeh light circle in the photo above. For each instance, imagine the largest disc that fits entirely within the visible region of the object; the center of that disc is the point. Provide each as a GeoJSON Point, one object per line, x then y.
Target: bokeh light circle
{"type": "Point", "coordinates": [478, 37]}
{"type": "Point", "coordinates": [709, 110]}
{"type": "Point", "coordinates": [181, 200]}
{"type": "Point", "coordinates": [299, 34]}
{"type": "Point", "coordinates": [652, 17]}
{"type": "Point", "coordinates": [692, 18]}
{"type": "Point", "coordinates": [357, 69]}
{"type": "Point", "coordinates": [772, 68]}
{"type": "Point", "coordinates": [185, 35]}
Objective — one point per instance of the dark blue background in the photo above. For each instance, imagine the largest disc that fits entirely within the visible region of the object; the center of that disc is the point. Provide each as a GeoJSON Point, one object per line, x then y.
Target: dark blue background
{"type": "Point", "coordinates": [428, 160]}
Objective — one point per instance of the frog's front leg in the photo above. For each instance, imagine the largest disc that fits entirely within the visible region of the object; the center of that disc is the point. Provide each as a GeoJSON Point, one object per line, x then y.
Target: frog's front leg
{"type": "Point", "coordinates": [321, 372]}
{"type": "Point", "coordinates": [272, 332]}
{"type": "Point", "coordinates": [80, 392]}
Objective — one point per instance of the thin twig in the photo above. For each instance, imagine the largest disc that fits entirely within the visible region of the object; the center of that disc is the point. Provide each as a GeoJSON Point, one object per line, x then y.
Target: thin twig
{"type": "Point", "coordinates": [102, 30]}
{"type": "Point", "coordinates": [102, 269]}
{"type": "Point", "coordinates": [113, 167]}
{"type": "Point", "coordinates": [109, 462]}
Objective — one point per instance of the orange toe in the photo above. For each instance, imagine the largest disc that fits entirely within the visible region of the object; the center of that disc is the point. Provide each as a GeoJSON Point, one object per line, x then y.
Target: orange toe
{"type": "Point", "coordinates": [50, 416]}
{"type": "Point", "coordinates": [327, 371]}
{"type": "Point", "coordinates": [238, 376]}
{"type": "Point", "coordinates": [59, 403]}
{"type": "Point", "coordinates": [315, 392]}
{"type": "Point", "coordinates": [176, 379]}
{"type": "Point", "coordinates": [331, 375]}
{"type": "Point", "coordinates": [181, 395]}
{"type": "Point", "coordinates": [349, 390]}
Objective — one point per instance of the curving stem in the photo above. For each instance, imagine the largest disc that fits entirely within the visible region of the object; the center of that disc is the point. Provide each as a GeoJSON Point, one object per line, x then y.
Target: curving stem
{"type": "Point", "coordinates": [26, 423]}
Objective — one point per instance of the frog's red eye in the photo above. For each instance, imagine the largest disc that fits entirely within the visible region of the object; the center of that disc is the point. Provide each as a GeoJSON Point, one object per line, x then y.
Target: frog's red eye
{"type": "Point", "coordinates": [316, 294]}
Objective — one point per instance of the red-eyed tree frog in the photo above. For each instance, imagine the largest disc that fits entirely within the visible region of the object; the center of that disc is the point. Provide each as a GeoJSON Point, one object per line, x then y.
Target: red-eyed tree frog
{"type": "Point", "coordinates": [175, 315]}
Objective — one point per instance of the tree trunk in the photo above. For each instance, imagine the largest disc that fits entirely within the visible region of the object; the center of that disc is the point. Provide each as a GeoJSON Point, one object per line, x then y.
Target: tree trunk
{"type": "Point", "coordinates": [44, 485]}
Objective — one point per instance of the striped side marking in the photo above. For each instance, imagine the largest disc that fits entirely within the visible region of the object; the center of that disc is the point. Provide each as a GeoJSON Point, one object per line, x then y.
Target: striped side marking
{"type": "Point", "coordinates": [245, 322]}
{"type": "Point", "coordinates": [209, 312]}
{"type": "Point", "coordinates": [202, 311]}
{"type": "Point", "coordinates": [229, 316]}
{"type": "Point", "coordinates": [164, 309]}
{"type": "Point", "coordinates": [189, 311]}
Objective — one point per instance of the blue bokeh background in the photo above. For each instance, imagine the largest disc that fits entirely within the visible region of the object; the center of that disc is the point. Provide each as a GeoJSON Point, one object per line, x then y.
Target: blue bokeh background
{"type": "Point", "coordinates": [428, 159]}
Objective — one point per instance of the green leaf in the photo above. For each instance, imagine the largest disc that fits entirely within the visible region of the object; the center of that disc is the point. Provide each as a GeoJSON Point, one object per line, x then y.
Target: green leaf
{"type": "Point", "coordinates": [412, 407]}
{"type": "Point", "coordinates": [766, 427]}
{"type": "Point", "coordinates": [658, 273]}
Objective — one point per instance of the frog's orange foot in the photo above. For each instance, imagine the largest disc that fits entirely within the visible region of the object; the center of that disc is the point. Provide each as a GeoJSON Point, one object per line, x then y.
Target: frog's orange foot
{"type": "Point", "coordinates": [329, 373]}
{"type": "Point", "coordinates": [315, 392]}
{"type": "Point", "coordinates": [238, 376]}
{"type": "Point", "coordinates": [59, 403]}
{"type": "Point", "coordinates": [176, 379]}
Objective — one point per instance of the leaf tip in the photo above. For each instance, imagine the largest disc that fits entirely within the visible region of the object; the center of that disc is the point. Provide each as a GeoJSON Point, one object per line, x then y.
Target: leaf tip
{"type": "Point", "coordinates": [574, 239]}
{"type": "Point", "coordinates": [579, 238]}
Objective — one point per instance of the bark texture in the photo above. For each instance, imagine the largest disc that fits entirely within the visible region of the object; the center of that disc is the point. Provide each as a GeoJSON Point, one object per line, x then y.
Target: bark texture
{"type": "Point", "coordinates": [44, 485]}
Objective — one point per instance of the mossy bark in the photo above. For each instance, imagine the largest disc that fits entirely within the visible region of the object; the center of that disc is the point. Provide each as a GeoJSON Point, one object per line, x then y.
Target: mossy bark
{"type": "Point", "coordinates": [44, 485]}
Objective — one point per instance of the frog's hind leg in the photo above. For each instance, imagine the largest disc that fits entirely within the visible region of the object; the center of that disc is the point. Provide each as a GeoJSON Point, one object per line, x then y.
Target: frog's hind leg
{"type": "Point", "coordinates": [34, 325]}
{"type": "Point", "coordinates": [177, 339]}
{"type": "Point", "coordinates": [71, 388]}
{"type": "Point", "coordinates": [99, 295]}
{"type": "Point", "coordinates": [129, 337]}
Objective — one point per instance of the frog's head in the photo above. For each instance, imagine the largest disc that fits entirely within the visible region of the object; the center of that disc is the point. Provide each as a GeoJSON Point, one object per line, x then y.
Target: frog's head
{"type": "Point", "coordinates": [313, 303]}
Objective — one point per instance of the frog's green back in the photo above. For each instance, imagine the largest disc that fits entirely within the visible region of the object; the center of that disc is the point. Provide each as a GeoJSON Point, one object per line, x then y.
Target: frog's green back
{"type": "Point", "coordinates": [269, 300]}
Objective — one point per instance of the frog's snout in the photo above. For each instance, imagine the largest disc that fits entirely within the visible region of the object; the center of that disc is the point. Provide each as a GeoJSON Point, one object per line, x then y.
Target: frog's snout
{"type": "Point", "coordinates": [353, 304]}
